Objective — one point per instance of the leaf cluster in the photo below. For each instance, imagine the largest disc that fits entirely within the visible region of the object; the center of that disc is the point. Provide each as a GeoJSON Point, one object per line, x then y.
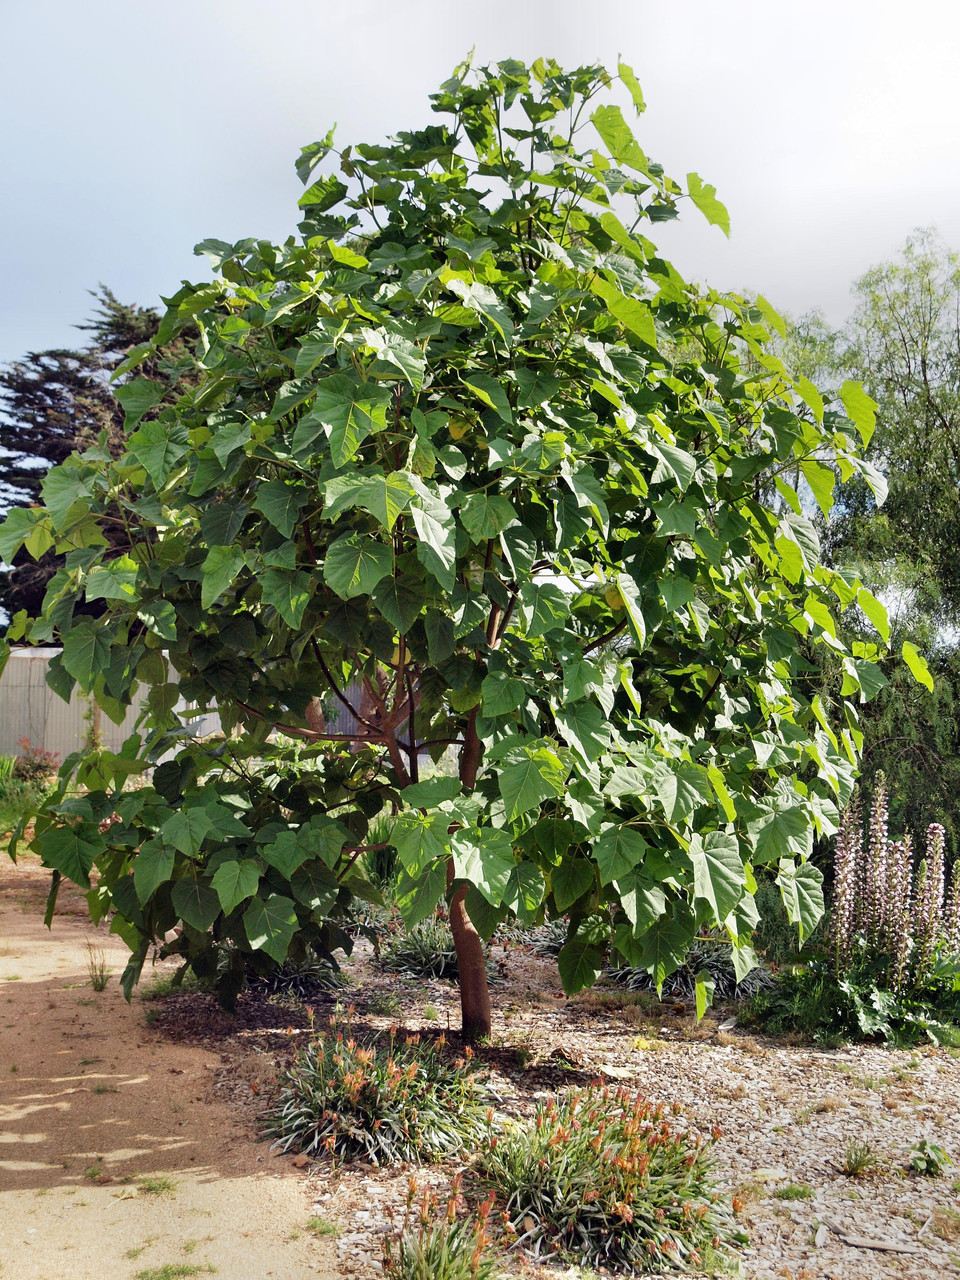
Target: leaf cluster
{"type": "Point", "coordinates": [810, 1000]}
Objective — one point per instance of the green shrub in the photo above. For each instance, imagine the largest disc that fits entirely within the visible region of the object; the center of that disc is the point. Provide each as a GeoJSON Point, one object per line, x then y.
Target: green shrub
{"type": "Point", "coordinates": [440, 1246]}
{"type": "Point", "coordinates": [301, 979]}
{"type": "Point", "coordinates": [706, 955]}
{"type": "Point", "coordinates": [17, 798]}
{"type": "Point", "coordinates": [380, 1099]}
{"type": "Point", "coordinates": [603, 1177]}
{"type": "Point", "coordinates": [425, 951]}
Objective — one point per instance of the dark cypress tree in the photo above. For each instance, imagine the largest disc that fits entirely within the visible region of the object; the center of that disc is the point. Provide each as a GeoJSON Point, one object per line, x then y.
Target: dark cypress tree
{"type": "Point", "coordinates": [52, 402]}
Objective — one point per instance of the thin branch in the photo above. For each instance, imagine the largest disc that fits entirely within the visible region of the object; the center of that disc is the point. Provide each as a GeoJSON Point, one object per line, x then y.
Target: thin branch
{"type": "Point", "coordinates": [309, 735]}
{"type": "Point", "coordinates": [600, 640]}
{"type": "Point", "coordinates": [330, 681]}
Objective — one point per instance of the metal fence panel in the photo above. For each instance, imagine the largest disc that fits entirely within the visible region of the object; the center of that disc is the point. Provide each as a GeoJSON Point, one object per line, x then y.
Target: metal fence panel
{"type": "Point", "coordinates": [30, 711]}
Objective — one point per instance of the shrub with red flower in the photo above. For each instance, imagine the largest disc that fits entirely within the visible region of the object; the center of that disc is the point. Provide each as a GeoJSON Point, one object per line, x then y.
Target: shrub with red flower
{"type": "Point", "coordinates": [604, 1177]}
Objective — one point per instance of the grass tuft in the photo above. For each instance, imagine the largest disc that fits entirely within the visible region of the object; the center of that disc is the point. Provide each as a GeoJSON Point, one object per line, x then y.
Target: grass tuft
{"type": "Point", "coordinates": [157, 1186]}
{"type": "Point", "coordinates": [794, 1191]}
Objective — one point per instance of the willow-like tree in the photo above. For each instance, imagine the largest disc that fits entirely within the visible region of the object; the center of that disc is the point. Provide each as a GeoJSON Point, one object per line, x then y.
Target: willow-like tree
{"type": "Point", "coordinates": [471, 446]}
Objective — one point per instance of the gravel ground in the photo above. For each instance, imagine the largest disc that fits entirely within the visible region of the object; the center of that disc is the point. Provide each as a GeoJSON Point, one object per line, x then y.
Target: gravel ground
{"type": "Point", "coordinates": [788, 1114]}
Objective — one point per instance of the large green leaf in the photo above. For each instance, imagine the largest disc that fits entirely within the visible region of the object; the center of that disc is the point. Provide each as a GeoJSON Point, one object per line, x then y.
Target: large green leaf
{"type": "Point", "coordinates": [501, 693]}
{"type": "Point", "coordinates": [234, 882]}
{"type": "Point", "coordinates": [270, 925]}
{"type": "Point", "coordinates": [315, 886]}
{"type": "Point", "coordinates": [436, 531]}
{"type": "Point", "coordinates": [348, 412]}
{"type": "Point", "coordinates": [801, 888]}
{"type": "Point", "coordinates": [417, 897]}
{"type": "Point", "coordinates": [704, 196]}
{"type": "Point", "coordinates": [485, 515]}
{"type": "Point", "coordinates": [158, 447]}
{"type": "Point", "coordinates": [394, 349]}
{"type": "Point", "coordinates": [420, 839]}
{"type": "Point", "coordinates": [718, 872]}
{"type": "Point", "coordinates": [525, 890]}
{"type": "Point", "coordinates": [570, 881]}
{"type": "Point", "coordinates": [630, 595]}
{"type": "Point", "coordinates": [544, 606]}
{"type": "Point", "coordinates": [354, 565]}
{"type": "Point", "coordinates": [71, 851]}
{"type": "Point", "coordinates": [484, 856]}
{"type": "Point", "coordinates": [219, 570]}
{"type": "Point", "coordinates": [917, 664]}
{"type": "Point", "coordinates": [618, 851]}
{"type": "Point", "coordinates": [664, 946]}
{"type": "Point", "coordinates": [286, 852]}
{"type": "Point", "coordinates": [781, 829]}
{"type": "Point", "coordinates": [115, 580]}
{"type": "Point", "coordinates": [61, 488]}
{"type": "Point", "coordinates": [138, 396]}
{"type": "Point", "coordinates": [86, 652]}
{"type": "Point", "coordinates": [580, 964]}
{"type": "Point", "coordinates": [386, 497]}
{"type": "Point", "coordinates": [152, 867]}
{"type": "Point", "coordinates": [631, 312]}
{"type": "Point", "coordinates": [861, 409]}
{"type": "Point", "coordinates": [617, 136]}
{"type": "Point", "coordinates": [281, 503]}
{"type": "Point", "coordinates": [490, 392]}
{"type": "Point", "coordinates": [25, 527]}
{"type": "Point", "coordinates": [195, 902]}
{"type": "Point", "coordinates": [399, 600]}
{"type": "Point", "coordinates": [585, 729]}
{"type": "Point", "coordinates": [681, 789]}
{"type": "Point", "coordinates": [289, 593]}
{"type": "Point", "coordinates": [643, 901]}
{"type": "Point", "coordinates": [536, 778]}
{"type": "Point", "coordinates": [633, 84]}
{"type": "Point", "coordinates": [187, 830]}
{"type": "Point", "coordinates": [482, 299]}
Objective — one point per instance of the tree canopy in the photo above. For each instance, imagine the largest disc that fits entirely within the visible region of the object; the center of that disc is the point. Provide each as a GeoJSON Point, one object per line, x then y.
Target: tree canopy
{"type": "Point", "coordinates": [470, 444]}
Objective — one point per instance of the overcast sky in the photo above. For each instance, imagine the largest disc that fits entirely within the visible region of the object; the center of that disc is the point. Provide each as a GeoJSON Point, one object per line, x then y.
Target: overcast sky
{"type": "Point", "coordinates": [133, 130]}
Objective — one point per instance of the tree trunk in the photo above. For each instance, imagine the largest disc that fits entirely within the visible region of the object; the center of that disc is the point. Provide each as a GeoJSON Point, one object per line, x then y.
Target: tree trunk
{"type": "Point", "coordinates": [471, 965]}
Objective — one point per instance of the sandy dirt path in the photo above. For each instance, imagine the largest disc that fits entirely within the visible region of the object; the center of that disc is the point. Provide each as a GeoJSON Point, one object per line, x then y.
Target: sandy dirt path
{"type": "Point", "coordinates": [115, 1161]}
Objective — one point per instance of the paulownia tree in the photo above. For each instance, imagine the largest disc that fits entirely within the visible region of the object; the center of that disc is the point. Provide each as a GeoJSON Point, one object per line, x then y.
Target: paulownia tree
{"type": "Point", "coordinates": [471, 447]}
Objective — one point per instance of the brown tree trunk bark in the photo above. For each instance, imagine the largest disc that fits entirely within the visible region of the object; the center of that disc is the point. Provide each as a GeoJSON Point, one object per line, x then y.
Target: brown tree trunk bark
{"type": "Point", "coordinates": [474, 990]}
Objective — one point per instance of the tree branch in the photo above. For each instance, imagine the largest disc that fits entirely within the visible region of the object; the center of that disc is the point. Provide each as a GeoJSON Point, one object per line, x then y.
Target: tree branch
{"type": "Point", "coordinates": [330, 681]}
{"type": "Point", "coordinates": [595, 644]}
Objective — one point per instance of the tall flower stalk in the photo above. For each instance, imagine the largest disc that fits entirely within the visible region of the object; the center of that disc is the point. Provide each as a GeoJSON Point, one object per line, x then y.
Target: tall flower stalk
{"type": "Point", "coordinates": [900, 916]}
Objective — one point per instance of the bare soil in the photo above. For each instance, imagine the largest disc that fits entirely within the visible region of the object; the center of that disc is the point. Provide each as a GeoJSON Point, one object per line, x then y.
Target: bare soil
{"type": "Point", "coordinates": [116, 1155]}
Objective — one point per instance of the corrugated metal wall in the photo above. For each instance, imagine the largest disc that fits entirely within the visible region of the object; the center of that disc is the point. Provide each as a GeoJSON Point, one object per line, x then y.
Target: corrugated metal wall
{"type": "Point", "coordinates": [29, 709]}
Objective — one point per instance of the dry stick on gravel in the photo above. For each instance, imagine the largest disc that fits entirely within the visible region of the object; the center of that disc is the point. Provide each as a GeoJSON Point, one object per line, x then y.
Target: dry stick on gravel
{"type": "Point", "coordinates": [867, 1242]}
